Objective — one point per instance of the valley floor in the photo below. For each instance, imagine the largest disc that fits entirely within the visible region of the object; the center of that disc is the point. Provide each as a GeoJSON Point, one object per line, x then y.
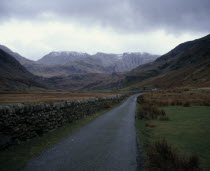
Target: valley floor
{"type": "Point", "coordinates": [47, 96]}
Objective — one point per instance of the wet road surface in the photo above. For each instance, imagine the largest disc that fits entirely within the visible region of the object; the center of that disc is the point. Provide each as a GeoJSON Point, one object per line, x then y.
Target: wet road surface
{"type": "Point", "coordinates": [105, 144]}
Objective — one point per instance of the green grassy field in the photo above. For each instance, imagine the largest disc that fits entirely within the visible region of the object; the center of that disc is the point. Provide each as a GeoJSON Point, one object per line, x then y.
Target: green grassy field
{"type": "Point", "coordinates": [188, 130]}
{"type": "Point", "coordinates": [16, 156]}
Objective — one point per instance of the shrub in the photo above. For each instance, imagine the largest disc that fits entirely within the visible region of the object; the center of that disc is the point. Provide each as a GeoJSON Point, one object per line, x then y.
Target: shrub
{"type": "Point", "coordinates": [140, 99]}
{"type": "Point", "coordinates": [149, 112]}
{"type": "Point", "coordinates": [163, 118]}
{"type": "Point", "coordinates": [162, 156]}
{"type": "Point", "coordinates": [186, 104]}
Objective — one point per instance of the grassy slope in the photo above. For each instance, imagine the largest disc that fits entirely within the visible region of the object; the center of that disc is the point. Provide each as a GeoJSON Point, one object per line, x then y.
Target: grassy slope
{"type": "Point", "coordinates": [188, 64]}
{"type": "Point", "coordinates": [16, 156]}
{"type": "Point", "coordinates": [197, 76]}
{"type": "Point", "coordinates": [188, 130]}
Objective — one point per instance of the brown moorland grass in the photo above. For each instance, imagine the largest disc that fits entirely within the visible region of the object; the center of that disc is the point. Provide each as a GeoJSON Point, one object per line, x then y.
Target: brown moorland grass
{"type": "Point", "coordinates": [51, 96]}
{"type": "Point", "coordinates": [150, 112]}
{"type": "Point", "coordinates": [177, 97]}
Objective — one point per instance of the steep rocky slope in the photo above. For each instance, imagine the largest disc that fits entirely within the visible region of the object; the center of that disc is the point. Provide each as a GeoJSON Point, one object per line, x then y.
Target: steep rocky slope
{"type": "Point", "coordinates": [17, 56]}
{"type": "Point", "coordinates": [130, 61]}
{"type": "Point", "coordinates": [14, 76]}
{"type": "Point", "coordinates": [30, 65]}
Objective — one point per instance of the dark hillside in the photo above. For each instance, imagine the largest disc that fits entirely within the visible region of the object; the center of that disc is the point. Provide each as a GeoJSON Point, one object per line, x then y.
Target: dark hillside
{"type": "Point", "coordinates": [186, 57]}
{"type": "Point", "coordinates": [13, 75]}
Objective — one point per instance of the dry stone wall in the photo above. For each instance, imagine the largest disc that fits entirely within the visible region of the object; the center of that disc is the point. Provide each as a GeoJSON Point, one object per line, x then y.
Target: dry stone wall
{"type": "Point", "coordinates": [20, 122]}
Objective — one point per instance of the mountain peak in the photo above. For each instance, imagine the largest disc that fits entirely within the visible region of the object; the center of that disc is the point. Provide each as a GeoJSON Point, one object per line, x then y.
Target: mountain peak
{"type": "Point", "coordinates": [130, 53]}
{"type": "Point", "coordinates": [61, 57]}
{"type": "Point", "coordinates": [69, 53]}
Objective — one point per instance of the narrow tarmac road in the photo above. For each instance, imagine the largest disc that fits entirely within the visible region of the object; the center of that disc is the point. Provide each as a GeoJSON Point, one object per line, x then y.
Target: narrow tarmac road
{"type": "Point", "coordinates": [107, 143]}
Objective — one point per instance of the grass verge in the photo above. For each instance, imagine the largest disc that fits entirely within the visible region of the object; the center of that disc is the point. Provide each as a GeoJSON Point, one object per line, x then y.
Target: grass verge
{"type": "Point", "coordinates": [187, 131]}
{"type": "Point", "coordinates": [15, 157]}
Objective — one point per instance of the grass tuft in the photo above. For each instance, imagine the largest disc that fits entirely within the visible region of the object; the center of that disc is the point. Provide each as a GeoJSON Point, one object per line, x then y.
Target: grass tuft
{"type": "Point", "coordinates": [163, 118]}
{"type": "Point", "coordinates": [162, 156]}
{"type": "Point", "coordinates": [186, 104]}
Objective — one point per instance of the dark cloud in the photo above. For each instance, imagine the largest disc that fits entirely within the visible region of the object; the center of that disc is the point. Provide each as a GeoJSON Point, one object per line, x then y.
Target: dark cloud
{"type": "Point", "coordinates": [126, 15]}
{"type": "Point", "coordinates": [174, 14]}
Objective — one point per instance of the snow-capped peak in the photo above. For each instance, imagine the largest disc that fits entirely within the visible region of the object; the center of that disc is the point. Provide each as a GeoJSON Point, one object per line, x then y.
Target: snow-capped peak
{"type": "Point", "coordinates": [73, 53]}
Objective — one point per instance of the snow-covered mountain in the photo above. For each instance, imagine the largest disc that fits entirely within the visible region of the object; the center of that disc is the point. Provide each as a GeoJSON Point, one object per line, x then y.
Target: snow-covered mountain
{"type": "Point", "coordinates": [65, 63]}
{"type": "Point", "coordinates": [115, 62]}
{"type": "Point", "coordinates": [130, 61]}
{"type": "Point", "coordinates": [61, 58]}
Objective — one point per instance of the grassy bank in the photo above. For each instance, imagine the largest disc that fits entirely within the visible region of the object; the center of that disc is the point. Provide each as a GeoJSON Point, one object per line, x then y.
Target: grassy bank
{"type": "Point", "coordinates": [187, 131]}
{"type": "Point", "coordinates": [15, 157]}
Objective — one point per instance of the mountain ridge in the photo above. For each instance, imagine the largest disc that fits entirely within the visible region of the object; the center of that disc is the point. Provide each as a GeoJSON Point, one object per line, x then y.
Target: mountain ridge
{"type": "Point", "coordinates": [188, 64]}
{"type": "Point", "coordinates": [61, 57]}
{"type": "Point", "coordinates": [64, 63]}
{"type": "Point", "coordinates": [189, 54]}
{"type": "Point", "coordinates": [16, 78]}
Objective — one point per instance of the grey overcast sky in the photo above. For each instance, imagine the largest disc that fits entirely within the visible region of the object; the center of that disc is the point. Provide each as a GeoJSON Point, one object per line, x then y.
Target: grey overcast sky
{"type": "Point", "coordinates": [36, 27]}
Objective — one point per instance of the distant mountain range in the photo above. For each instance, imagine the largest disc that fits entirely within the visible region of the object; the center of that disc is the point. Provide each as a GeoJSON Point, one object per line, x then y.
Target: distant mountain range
{"type": "Point", "coordinates": [65, 63]}
{"type": "Point", "coordinates": [109, 62]}
{"type": "Point", "coordinates": [186, 65]}
{"type": "Point", "coordinates": [61, 58]}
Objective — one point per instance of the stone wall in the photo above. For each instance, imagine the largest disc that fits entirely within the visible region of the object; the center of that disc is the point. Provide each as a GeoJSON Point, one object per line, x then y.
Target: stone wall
{"type": "Point", "coordinates": [20, 122]}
